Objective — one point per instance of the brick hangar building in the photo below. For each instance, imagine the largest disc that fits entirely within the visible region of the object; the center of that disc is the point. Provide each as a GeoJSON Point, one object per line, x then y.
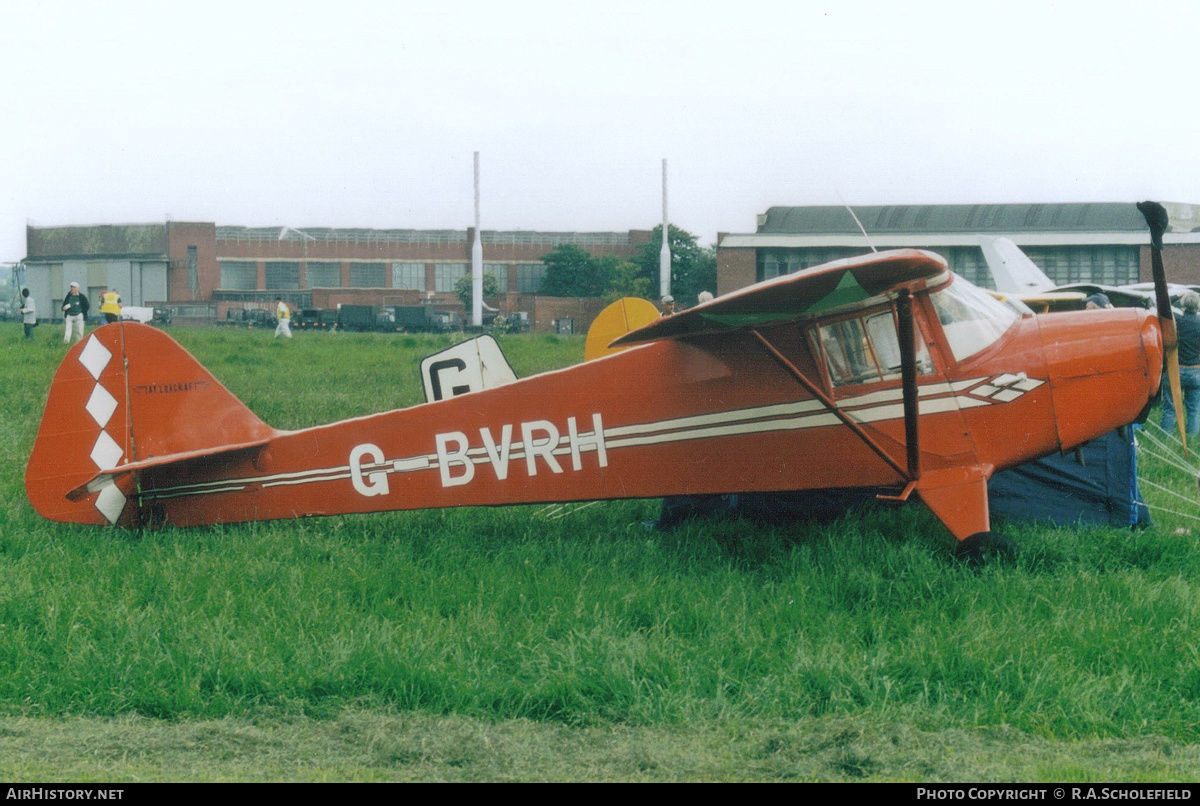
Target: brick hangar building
{"type": "Point", "coordinates": [1105, 244]}
{"type": "Point", "coordinates": [201, 270]}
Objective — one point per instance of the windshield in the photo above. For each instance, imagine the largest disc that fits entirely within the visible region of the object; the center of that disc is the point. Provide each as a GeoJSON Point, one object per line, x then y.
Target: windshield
{"type": "Point", "coordinates": [866, 349]}
{"type": "Point", "coordinates": [971, 318]}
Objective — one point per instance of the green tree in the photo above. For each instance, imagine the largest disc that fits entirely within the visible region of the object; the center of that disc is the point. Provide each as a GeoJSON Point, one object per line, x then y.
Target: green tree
{"type": "Point", "coordinates": [693, 267]}
{"type": "Point", "coordinates": [572, 272]}
{"type": "Point", "coordinates": [624, 279]}
{"type": "Point", "coordinates": [463, 290]}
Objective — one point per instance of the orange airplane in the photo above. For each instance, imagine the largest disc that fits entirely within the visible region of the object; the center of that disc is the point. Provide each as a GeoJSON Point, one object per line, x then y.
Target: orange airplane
{"type": "Point", "coordinates": [880, 371]}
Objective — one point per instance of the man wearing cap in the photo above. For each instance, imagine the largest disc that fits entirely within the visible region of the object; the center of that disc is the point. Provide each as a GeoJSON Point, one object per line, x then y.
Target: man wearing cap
{"type": "Point", "coordinates": [1097, 301]}
{"type": "Point", "coordinates": [668, 303]}
{"type": "Point", "coordinates": [75, 309]}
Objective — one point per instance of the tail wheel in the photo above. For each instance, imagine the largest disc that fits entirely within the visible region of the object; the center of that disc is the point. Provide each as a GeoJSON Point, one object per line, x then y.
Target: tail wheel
{"type": "Point", "coordinates": [985, 547]}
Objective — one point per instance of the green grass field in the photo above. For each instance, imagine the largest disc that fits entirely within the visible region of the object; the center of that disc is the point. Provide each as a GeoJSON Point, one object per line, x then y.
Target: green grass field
{"type": "Point", "coordinates": [497, 644]}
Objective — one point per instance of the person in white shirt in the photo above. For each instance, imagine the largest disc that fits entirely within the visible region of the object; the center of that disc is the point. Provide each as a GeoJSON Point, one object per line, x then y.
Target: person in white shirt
{"type": "Point", "coordinates": [28, 313]}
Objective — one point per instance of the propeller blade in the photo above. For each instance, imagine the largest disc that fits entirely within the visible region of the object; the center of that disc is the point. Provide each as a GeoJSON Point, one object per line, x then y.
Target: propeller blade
{"type": "Point", "coordinates": [1157, 219]}
{"type": "Point", "coordinates": [1172, 358]}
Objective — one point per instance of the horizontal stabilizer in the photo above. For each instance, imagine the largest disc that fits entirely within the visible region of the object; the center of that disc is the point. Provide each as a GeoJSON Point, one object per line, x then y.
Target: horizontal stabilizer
{"type": "Point", "coordinates": [107, 477]}
{"type": "Point", "coordinates": [821, 289]}
{"type": "Point", "coordinates": [617, 319]}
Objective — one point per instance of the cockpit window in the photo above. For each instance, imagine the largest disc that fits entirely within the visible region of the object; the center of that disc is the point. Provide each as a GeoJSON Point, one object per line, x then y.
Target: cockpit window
{"type": "Point", "coordinates": [971, 318]}
{"type": "Point", "coordinates": [866, 349]}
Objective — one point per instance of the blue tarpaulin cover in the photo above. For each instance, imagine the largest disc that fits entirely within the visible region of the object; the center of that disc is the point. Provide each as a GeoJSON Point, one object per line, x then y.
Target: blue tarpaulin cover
{"type": "Point", "coordinates": [1102, 490]}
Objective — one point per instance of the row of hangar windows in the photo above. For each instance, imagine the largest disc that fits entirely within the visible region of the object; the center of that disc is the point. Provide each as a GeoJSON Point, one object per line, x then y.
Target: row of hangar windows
{"type": "Point", "coordinates": [1107, 265]}
{"type": "Point", "coordinates": [242, 275]}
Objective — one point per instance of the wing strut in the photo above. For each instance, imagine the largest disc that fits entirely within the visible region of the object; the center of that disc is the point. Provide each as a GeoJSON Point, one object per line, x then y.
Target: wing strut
{"type": "Point", "coordinates": [833, 408]}
{"type": "Point", "coordinates": [908, 376]}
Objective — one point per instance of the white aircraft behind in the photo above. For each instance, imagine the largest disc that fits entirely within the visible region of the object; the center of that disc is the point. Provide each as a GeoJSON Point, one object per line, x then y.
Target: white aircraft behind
{"type": "Point", "coordinates": [1015, 274]}
{"type": "Point", "coordinates": [1012, 270]}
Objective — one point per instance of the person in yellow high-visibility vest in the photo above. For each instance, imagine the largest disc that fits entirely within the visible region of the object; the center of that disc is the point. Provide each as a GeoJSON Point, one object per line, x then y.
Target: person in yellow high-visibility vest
{"type": "Point", "coordinates": [284, 314]}
{"type": "Point", "coordinates": [110, 305]}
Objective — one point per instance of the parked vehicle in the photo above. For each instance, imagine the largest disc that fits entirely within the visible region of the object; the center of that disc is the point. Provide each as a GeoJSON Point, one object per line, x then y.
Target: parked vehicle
{"type": "Point", "coordinates": [515, 322]}
{"type": "Point", "coordinates": [234, 317]}
{"type": "Point", "coordinates": [248, 317]}
{"type": "Point", "coordinates": [314, 319]}
{"type": "Point", "coordinates": [355, 317]}
{"type": "Point", "coordinates": [146, 315]}
{"type": "Point", "coordinates": [422, 319]}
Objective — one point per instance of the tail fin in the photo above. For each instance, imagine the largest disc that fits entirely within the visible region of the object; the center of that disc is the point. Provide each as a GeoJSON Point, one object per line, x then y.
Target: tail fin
{"type": "Point", "coordinates": [1012, 270]}
{"type": "Point", "coordinates": [617, 319]}
{"type": "Point", "coordinates": [126, 394]}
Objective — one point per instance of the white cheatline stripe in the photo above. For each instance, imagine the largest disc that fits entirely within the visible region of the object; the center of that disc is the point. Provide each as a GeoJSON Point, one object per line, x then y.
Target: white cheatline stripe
{"type": "Point", "coordinates": [300, 475]}
{"type": "Point", "coordinates": [737, 422]}
{"type": "Point", "coordinates": [937, 406]}
{"type": "Point", "coordinates": [789, 424]}
{"type": "Point", "coordinates": [716, 418]}
{"type": "Point", "coordinates": [157, 496]}
{"type": "Point", "coordinates": [326, 477]}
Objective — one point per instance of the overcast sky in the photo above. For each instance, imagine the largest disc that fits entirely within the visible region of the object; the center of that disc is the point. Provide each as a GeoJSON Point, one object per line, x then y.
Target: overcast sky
{"type": "Point", "coordinates": [367, 114]}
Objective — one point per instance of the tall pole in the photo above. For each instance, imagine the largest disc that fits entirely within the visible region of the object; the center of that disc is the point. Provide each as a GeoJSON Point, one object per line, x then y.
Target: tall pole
{"type": "Point", "coordinates": [664, 256]}
{"type": "Point", "coordinates": [477, 260]}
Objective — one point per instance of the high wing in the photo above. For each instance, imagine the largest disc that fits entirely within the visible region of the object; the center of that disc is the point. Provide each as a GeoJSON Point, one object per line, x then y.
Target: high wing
{"type": "Point", "coordinates": [822, 289]}
{"type": "Point", "coordinates": [1043, 302]}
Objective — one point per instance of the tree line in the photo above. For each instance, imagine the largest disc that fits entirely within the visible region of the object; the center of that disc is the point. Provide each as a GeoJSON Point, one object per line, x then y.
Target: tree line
{"type": "Point", "coordinates": [575, 272]}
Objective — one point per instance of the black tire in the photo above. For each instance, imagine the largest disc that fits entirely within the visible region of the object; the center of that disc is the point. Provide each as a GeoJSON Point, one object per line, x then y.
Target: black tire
{"type": "Point", "coordinates": [984, 547]}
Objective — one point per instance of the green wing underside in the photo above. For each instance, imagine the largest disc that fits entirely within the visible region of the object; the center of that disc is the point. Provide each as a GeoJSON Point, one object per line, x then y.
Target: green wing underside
{"type": "Point", "coordinates": [810, 292]}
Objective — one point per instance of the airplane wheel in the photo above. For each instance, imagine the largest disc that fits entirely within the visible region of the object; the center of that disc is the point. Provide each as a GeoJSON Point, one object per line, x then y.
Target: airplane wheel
{"type": "Point", "coordinates": [983, 547]}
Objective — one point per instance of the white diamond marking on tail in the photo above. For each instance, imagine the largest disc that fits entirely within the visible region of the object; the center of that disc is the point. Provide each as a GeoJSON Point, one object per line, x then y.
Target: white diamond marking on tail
{"type": "Point", "coordinates": [101, 405]}
{"type": "Point", "coordinates": [106, 452]}
{"type": "Point", "coordinates": [95, 357]}
{"type": "Point", "coordinates": [111, 503]}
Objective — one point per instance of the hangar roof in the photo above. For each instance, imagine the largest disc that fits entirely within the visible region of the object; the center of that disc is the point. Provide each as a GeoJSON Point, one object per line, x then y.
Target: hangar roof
{"type": "Point", "coordinates": [137, 241]}
{"type": "Point", "coordinates": [929, 225]}
{"type": "Point", "coordinates": [950, 218]}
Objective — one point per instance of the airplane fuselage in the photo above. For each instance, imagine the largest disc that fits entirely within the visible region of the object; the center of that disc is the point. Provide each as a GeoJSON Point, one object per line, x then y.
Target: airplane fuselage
{"type": "Point", "coordinates": [681, 418]}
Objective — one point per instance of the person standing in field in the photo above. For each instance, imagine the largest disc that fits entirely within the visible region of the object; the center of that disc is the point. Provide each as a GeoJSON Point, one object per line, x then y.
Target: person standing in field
{"type": "Point", "coordinates": [28, 313]}
{"type": "Point", "coordinates": [284, 314]}
{"type": "Point", "coordinates": [75, 310]}
{"type": "Point", "coordinates": [1188, 326]}
{"type": "Point", "coordinates": [110, 305]}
